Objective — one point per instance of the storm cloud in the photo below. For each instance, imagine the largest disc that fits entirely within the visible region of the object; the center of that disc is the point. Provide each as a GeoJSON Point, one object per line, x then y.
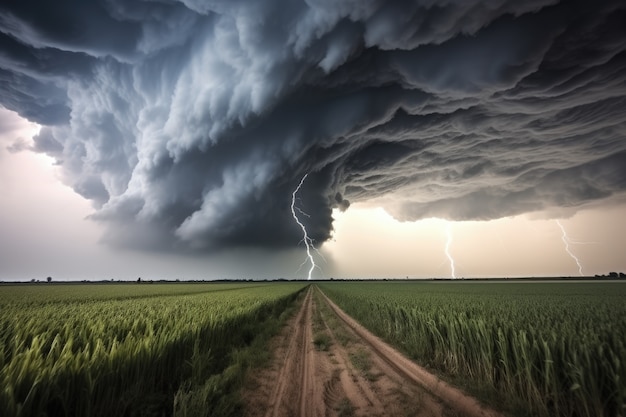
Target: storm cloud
{"type": "Point", "coordinates": [188, 124]}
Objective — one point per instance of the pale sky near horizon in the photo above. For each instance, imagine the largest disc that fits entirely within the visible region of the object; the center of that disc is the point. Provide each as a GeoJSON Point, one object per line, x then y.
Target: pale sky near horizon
{"type": "Point", "coordinates": [49, 233]}
{"type": "Point", "coordinates": [197, 140]}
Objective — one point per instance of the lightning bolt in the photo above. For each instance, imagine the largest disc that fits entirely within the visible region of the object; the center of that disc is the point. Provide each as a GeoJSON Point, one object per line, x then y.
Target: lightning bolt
{"type": "Point", "coordinates": [566, 240]}
{"type": "Point", "coordinates": [308, 242]}
{"type": "Point", "coordinates": [448, 243]}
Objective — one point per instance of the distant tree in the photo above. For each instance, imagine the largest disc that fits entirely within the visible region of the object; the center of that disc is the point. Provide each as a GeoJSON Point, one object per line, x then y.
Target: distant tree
{"type": "Point", "coordinates": [622, 275]}
{"type": "Point", "coordinates": [139, 280]}
{"type": "Point", "coordinates": [49, 279]}
{"type": "Point", "coordinates": [613, 274]}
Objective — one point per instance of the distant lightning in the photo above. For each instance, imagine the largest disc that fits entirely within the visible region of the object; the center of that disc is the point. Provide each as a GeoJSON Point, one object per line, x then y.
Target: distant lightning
{"type": "Point", "coordinates": [566, 240]}
{"type": "Point", "coordinates": [448, 243]}
{"type": "Point", "coordinates": [308, 242]}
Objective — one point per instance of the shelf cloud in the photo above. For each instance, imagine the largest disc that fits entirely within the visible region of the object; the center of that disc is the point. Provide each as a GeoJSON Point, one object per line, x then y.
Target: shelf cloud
{"type": "Point", "coordinates": [189, 123]}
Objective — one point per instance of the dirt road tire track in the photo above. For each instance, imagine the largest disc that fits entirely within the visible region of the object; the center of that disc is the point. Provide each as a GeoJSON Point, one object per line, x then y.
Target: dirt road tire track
{"type": "Point", "coordinates": [304, 381]}
{"type": "Point", "coordinates": [453, 397]}
{"type": "Point", "coordinates": [308, 386]}
{"type": "Point", "coordinates": [295, 364]}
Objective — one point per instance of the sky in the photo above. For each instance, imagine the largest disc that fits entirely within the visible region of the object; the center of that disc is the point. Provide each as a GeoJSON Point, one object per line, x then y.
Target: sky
{"type": "Point", "coordinates": [166, 139]}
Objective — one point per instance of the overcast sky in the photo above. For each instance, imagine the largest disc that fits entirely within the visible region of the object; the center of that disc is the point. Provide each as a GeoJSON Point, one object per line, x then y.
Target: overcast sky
{"type": "Point", "coordinates": [166, 138]}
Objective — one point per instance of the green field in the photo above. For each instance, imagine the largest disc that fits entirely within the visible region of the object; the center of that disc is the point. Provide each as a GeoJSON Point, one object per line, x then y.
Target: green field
{"type": "Point", "coordinates": [130, 349]}
{"type": "Point", "coordinates": [182, 349]}
{"type": "Point", "coordinates": [536, 349]}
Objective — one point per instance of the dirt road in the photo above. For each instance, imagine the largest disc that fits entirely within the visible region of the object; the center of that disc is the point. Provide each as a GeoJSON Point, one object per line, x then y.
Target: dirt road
{"type": "Point", "coordinates": [327, 365]}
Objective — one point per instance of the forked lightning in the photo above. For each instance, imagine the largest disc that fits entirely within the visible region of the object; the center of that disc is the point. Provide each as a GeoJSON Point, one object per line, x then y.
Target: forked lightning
{"type": "Point", "coordinates": [308, 242]}
{"type": "Point", "coordinates": [566, 240]}
{"type": "Point", "coordinates": [448, 243]}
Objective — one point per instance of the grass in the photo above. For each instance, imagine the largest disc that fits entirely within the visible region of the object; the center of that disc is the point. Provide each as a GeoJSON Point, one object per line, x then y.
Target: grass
{"type": "Point", "coordinates": [330, 318]}
{"type": "Point", "coordinates": [345, 408]}
{"type": "Point", "coordinates": [360, 359]}
{"type": "Point", "coordinates": [322, 342]}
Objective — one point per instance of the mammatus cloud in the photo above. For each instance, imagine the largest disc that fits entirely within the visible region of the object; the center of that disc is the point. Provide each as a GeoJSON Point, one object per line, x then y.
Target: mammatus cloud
{"type": "Point", "coordinates": [189, 123]}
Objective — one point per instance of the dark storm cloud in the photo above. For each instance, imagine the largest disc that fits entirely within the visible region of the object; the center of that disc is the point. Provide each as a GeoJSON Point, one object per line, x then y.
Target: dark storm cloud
{"type": "Point", "coordinates": [190, 123]}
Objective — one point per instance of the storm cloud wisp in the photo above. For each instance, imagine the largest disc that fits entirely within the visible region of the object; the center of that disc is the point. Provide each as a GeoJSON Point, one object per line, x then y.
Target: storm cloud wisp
{"type": "Point", "coordinates": [189, 123]}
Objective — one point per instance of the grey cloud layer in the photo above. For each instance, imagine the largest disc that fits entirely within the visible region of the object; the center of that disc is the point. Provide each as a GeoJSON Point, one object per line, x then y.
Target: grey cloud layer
{"type": "Point", "coordinates": [188, 124]}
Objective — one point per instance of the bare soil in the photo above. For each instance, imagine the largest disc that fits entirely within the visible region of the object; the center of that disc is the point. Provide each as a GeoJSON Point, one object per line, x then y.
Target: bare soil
{"type": "Point", "coordinates": [326, 364]}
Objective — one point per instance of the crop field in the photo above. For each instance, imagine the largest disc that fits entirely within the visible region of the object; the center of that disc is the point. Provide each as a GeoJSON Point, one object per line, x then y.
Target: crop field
{"type": "Point", "coordinates": [130, 349]}
{"type": "Point", "coordinates": [542, 349]}
{"type": "Point", "coordinates": [184, 349]}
